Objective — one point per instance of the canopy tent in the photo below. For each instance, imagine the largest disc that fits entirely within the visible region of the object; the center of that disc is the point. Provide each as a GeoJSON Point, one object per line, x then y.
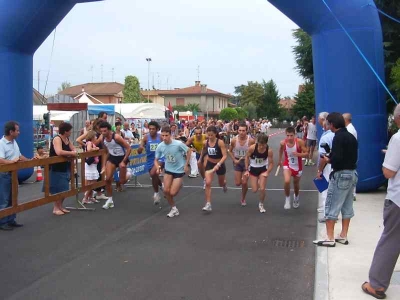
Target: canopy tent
{"type": "Point", "coordinates": [86, 98]}
{"type": "Point", "coordinates": [141, 110]}
{"type": "Point", "coordinates": [55, 115]}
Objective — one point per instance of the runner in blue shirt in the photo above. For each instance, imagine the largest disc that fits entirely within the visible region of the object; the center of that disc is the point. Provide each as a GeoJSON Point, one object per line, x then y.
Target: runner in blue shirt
{"type": "Point", "coordinates": [177, 157]}
{"type": "Point", "coordinates": [149, 143]}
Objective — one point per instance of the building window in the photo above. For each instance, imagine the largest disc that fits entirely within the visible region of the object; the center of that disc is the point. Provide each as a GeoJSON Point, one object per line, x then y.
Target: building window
{"type": "Point", "coordinates": [180, 101]}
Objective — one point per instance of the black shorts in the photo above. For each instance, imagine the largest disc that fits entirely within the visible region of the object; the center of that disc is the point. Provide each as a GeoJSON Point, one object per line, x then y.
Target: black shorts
{"type": "Point", "coordinates": [175, 175]}
{"type": "Point", "coordinates": [116, 160]}
{"type": "Point", "coordinates": [257, 171]}
{"type": "Point", "coordinates": [221, 170]}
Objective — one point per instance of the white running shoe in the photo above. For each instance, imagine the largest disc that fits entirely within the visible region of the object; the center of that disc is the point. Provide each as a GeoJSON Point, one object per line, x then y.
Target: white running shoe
{"type": "Point", "coordinates": [261, 208]}
{"type": "Point", "coordinates": [156, 198]}
{"type": "Point", "coordinates": [320, 209]}
{"type": "Point", "coordinates": [287, 204]}
{"type": "Point", "coordinates": [174, 212]}
{"type": "Point", "coordinates": [207, 207]}
{"type": "Point", "coordinates": [204, 184]}
{"type": "Point", "coordinates": [243, 202]}
{"type": "Point", "coordinates": [109, 204]}
{"type": "Point", "coordinates": [296, 202]}
{"type": "Point", "coordinates": [192, 175]}
{"type": "Point", "coordinates": [101, 197]}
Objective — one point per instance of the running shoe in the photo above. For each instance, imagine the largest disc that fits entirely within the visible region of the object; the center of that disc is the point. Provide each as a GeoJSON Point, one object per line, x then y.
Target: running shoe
{"type": "Point", "coordinates": [173, 213]}
{"type": "Point", "coordinates": [261, 208]}
{"type": "Point", "coordinates": [325, 243]}
{"type": "Point", "coordinates": [296, 202]}
{"type": "Point", "coordinates": [156, 198]}
{"type": "Point", "coordinates": [192, 175]}
{"type": "Point", "coordinates": [101, 197]}
{"type": "Point", "coordinates": [311, 163]}
{"type": "Point", "coordinates": [94, 200]}
{"type": "Point", "coordinates": [109, 204]}
{"type": "Point", "coordinates": [341, 240]}
{"type": "Point", "coordinates": [86, 201]}
{"type": "Point", "coordinates": [207, 207]}
{"type": "Point", "coordinates": [243, 202]}
{"type": "Point", "coordinates": [320, 209]}
{"type": "Point", "coordinates": [287, 204]}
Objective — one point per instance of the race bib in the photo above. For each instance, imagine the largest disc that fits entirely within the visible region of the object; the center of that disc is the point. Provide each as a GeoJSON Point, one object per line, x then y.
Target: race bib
{"type": "Point", "coordinates": [240, 153]}
{"type": "Point", "coordinates": [153, 147]}
{"type": "Point", "coordinates": [171, 158]}
{"type": "Point", "coordinates": [259, 161]}
{"type": "Point", "coordinates": [212, 151]}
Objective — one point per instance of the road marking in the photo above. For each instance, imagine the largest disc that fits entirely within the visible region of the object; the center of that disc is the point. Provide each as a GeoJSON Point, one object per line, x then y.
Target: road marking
{"type": "Point", "coordinates": [213, 187]}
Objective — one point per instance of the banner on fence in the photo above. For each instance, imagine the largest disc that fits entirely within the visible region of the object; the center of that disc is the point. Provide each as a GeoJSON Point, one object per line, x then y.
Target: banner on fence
{"type": "Point", "coordinates": [137, 162]}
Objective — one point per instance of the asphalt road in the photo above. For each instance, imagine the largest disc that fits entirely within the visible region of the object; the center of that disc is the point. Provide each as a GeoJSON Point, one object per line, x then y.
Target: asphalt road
{"type": "Point", "coordinates": [135, 252]}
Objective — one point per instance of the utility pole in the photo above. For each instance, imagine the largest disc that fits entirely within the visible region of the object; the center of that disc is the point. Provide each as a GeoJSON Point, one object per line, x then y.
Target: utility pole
{"type": "Point", "coordinates": [198, 73]}
{"type": "Point", "coordinates": [38, 81]}
{"type": "Point", "coordinates": [101, 72]}
{"type": "Point", "coordinates": [91, 70]}
{"type": "Point", "coordinates": [112, 72]}
{"type": "Point", "coordinates": [148, 78]}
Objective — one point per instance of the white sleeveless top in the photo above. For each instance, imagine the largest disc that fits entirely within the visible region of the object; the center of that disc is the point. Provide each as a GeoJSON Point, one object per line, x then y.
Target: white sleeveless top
{"type": "Point", "coordinates": [113, 147]}
{"type": "Point", "coordinates": [240, 151]}
{"type": "Point", "coordinates": [293, 161]}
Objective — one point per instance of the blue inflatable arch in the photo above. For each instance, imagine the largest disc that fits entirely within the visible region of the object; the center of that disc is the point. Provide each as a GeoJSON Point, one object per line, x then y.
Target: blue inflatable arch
{"type": "Point", "coordinates": [343, 81]}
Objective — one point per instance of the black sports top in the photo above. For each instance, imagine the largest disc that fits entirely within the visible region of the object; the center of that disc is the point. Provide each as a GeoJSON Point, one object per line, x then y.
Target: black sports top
{"type": "Point", "coordinates": [63, 166]}
{"type": "Point", "coordinates": [213, 152]}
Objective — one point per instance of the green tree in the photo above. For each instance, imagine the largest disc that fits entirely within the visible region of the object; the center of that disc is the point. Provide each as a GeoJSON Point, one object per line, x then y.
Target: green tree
{"type": "Point", "coordinates": [228, 113]}
{"type": "Point", "coordinates": [131, 90]}
{"type": "Point", "coordinates": [180, 108]}
{"type": "Point", "coordinates": [305, 102]}
{"type": "Point", "coordinates": [64, 85]}
{"type": "Point", "coordinates": [270, 105]}
{"type": "Point", "coordinates": [303, 54]}
{"type": "Point", "coordinates": [251, 111]}
{"type": "Point", "coordinates": [242, 113]}
{"type": "Point", "coordinates": [236, 99]}
{"type": "Point", "coordinates": [193, 107]}
{"type": "Point", "coordinates": [395, 76]}
{"type": "Point", "coordinates": [253, 93]}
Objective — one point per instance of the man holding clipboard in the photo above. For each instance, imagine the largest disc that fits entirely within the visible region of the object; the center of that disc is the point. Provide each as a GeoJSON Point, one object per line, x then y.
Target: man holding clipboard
{"type": "Point", "coordinates": [324, 168]}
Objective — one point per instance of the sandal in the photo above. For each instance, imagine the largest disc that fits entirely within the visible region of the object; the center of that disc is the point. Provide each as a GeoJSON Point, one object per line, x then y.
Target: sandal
{"type": "Point", "coordinates": [372, 292]}
{"type": "Point", "coordinates": [64, 210]}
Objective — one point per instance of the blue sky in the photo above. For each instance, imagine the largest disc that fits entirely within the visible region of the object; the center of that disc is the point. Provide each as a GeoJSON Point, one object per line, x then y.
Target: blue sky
{"type": "Point", "coordinates": [232, 41]}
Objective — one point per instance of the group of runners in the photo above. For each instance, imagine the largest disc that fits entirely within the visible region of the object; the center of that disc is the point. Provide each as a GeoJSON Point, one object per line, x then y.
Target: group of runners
{"type": "Point", "coordinates": [207, 153]}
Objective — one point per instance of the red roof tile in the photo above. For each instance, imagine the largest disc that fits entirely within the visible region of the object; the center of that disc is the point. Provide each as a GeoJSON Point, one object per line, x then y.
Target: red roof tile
{"type": "Point", "coordinates": [100, 88]}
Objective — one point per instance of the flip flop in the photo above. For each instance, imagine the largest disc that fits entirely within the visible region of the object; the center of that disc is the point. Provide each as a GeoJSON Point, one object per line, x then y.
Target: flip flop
{"type": "Point", "coordinates": [374, 293]}
{"type": "Point", "coordinates": [66, 211]}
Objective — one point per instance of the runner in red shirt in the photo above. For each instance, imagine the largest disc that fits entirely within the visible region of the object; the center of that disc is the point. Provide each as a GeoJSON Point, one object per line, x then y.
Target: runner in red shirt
{"type": "Point", "coordinates": [294, 149]}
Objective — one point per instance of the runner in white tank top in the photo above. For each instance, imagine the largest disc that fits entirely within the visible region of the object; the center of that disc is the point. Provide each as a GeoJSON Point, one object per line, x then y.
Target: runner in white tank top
{"type": "Point", "coordinates": [238, 149]}
{"type": "Point", "coordinates": [259, 164]}
{"type": "Point", "coordinates": [293, 149]}
{"type": "Point", "coordinates": [119, 151]}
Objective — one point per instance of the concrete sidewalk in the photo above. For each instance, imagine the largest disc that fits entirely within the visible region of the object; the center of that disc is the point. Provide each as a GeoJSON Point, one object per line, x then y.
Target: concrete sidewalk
{"type": "Point", "coordinates": [341, 270]}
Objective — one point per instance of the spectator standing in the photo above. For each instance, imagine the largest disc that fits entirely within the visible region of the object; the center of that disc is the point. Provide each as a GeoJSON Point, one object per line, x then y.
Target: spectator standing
{"type": "Point", "coordinates": [324, 168]}
{"type": "Point", "coordinates": [60, 174]}
{"type": "Point", "coordinates": [91, 172]}
{"type": "Point", "coordinates": [311, 141]}
{"type": "Point", "coordinates": [388, 249]}
{"type": "Point", "coordinates": [9, 154]}
{"type": "Point", "coordinates": [342, 181]}
{"type": "Point", "coordinates": [350, 128]}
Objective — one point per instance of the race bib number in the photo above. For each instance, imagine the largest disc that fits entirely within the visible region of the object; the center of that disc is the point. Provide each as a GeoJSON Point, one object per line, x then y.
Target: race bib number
{"type": "Point", "coordinates": [259, 161]}
{"type": "Point", "coordinates": [153, 147]}
{"type": "Point", "coordinates": [241, 153]}
{"type": "Point", "coordinates": [171, 159]}
{"type": "Point", "coordinates": [212, 151]}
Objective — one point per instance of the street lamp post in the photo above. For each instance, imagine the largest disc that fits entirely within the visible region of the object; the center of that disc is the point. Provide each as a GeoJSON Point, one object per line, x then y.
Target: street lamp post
{"type": "Point", "coordinates": [188, 113]}
{"type": "Point", "coordinates": [148, 78]}
{"type": "Point", "coordinates": [141, 124]}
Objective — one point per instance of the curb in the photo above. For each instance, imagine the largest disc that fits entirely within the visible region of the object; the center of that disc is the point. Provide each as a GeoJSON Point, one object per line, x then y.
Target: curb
{"type": "Point", "coordinates": [321, 282]}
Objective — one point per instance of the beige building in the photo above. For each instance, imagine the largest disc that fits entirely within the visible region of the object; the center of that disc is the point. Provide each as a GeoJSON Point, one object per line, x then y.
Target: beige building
{"type": "Point", "coordinates": [106, 92]}
{"type": "Point", "coordinates": [209, 100]}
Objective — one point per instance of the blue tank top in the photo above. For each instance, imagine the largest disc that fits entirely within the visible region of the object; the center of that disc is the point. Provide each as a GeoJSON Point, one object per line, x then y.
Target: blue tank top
{"type": "Point", "coordinates": [151, 146]}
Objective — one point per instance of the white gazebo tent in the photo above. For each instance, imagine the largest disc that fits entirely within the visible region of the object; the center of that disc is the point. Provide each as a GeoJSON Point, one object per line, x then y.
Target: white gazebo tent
{"type": "Point", "coordinates": [87, 98]}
